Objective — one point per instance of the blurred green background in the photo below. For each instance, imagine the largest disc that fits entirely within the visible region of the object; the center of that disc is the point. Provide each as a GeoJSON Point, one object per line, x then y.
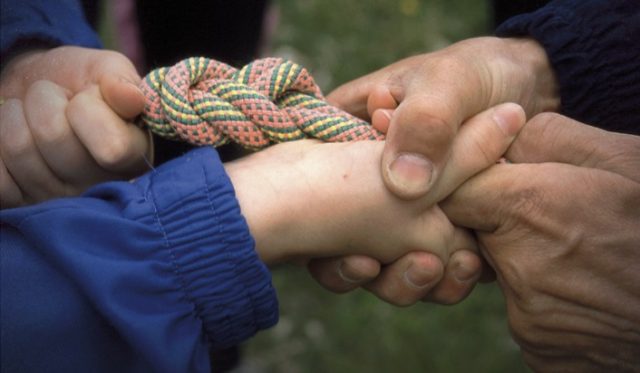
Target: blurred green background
{"type": "Point", "coordinates": [339, 40]}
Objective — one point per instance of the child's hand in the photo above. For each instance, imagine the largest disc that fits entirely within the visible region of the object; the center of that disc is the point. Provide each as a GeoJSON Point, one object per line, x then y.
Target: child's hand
{"type": "Point", "coordinates": [308, 199]}
{"type": "Point", "coordinates": [65, 123]}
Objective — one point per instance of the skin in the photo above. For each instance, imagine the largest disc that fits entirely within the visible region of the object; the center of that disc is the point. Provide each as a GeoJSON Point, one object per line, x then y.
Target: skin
{"type": "Point", "coordinates": [421, 103]}
{"type": "Point", "coordinates": [33, 168]}
{"type": "Point", "coordinates": [55, 118]}
{"type": "Point", "coordinates": [53, 144]}
{"type": "Point", "coordinates": [305, 206]}
{"type": "Point", "coordinates": [561, 226]}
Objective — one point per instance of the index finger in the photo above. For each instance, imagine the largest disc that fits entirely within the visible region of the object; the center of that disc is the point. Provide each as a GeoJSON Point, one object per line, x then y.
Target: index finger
{"type": "Point", "coordinates": [550, 137]}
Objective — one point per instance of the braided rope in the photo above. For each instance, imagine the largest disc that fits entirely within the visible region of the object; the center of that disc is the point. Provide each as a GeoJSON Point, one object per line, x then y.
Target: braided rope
{"type": "Point", "coordinates": [207, 102]}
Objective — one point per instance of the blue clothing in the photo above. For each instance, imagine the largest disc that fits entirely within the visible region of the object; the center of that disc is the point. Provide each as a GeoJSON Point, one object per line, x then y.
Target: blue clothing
{"type": "Point", "coordinates": [594, 49]}
{"type": "Point", "coordinates": [43, 23]}
{"type": "Point", "coordinates": [143, 275]}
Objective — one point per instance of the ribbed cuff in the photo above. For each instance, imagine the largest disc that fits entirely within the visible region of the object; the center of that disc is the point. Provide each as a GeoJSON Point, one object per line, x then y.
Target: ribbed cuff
{"type": "Point", "coordinates": [592, 46]}
{"type": "Point", "coordinates": [212, 249]}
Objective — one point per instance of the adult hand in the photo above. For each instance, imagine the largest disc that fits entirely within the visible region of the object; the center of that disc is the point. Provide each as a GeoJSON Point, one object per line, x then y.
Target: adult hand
{"type": "Point", "coordinates": [420, 274]}
{"type": "Point", "coordinates": [561, 228]}
{"type": "Point", "coordinates": [318, 199]}
{"type": "Point", "coordinates": [421, 102]}
{"type": "Point", "coordinates": [65, 123]}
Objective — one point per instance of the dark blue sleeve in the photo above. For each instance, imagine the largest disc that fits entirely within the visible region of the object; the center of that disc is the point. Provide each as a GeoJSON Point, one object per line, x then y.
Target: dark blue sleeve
{"type": "Point", "coordinates": [594, 48]}
{"type": "Point", "coordinates": [133, 276]}
{"type": "Point", "coordinates": [37, 23]}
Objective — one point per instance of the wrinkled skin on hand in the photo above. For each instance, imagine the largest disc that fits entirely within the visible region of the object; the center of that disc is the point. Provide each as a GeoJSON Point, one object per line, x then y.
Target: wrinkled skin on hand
{"type": "Point", "coordinates": [561, 228]}
{"type": "Point", "coordinates": [306, 199]}
{"type": "Point", "coordinates": [421, 101]}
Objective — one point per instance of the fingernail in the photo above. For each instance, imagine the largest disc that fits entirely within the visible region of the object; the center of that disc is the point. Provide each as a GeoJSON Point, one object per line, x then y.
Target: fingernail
{"type": "Point", "coordinates": [463, 273]}
{"type": "Point", "coordinates": [411, 172]}
{"type": "Point", "coordinates": [344, 277]}
{"type": "Point", "coordinates": [509, 117]}
{"type": "Point", "coordinates": [418, 277]}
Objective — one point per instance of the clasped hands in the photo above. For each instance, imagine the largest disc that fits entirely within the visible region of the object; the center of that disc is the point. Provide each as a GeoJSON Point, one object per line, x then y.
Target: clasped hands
{"type": "Point", "coordinates": [559, 225]}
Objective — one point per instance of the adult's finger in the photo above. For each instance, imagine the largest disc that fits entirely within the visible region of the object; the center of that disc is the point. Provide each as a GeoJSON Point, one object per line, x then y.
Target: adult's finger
{"type": "Point", "coordinates": [22, 158]}
{"type": "Point", "coordinates": [507, 193]}
{"type": "Point", "coordinates": [482, 203]}
{"type": "Point", "coordinates": [45, 106]}
{"type": "Point", "coordinates": [343, 274]}
{"type": "Point", "coordinates": [420, 275]}
{"type": "Point", "coordinates": [408, 279]}
{"type": "Point", "coordinates": [362, 96]}
{"type": "Point", "coordinates": [116, 145]}
{"type": "Point", "coordinates": [481, 142]}
{"type": "Point", "coordinates": [422, 129]}
{"type": "Point", "coordinates": [463, 271]}
{"type": "Point", "coordinates": [551, 137]}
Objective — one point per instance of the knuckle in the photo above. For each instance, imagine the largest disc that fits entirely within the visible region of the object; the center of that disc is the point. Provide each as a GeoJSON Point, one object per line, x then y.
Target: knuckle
{"type": "Point", "coordinates": [423, 119]}
{"type": "Point", "coordinates": [113, 153]}
{"type": "Point", "coordinates": [545, 119]}
{"type": "Point", "coordinates": [40, 86]}
{"type": "Point", "coordinates": [545, 125]}
{"type": "Point", "coordinates": [36, 90]}
{"type": "Point", "coordinates": [484, 147]}
{"type": "Point", "coordinates": [76, 111]}
{"type": "Point", "coordinates": [109, 59]}
{"type": "Point", "coordinates": [447, 62]}
{"type": "Point", "coordinates": [50, 129]}
{"type": "Point", "coordinates": [111, 56]}
{"type": "Point", "coordinates": [440, 247]}
{"type": "Point", "coordinates": [525, 198]}
{"type": "Point", "coordinates": [55, 132]}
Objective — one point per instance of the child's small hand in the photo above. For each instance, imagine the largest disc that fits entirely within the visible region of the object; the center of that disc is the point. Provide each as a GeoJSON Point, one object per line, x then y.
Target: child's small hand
{"type": "Point", "coordinates": [308, 199]}
{"type": "Point", "coordinates": [65, 123]}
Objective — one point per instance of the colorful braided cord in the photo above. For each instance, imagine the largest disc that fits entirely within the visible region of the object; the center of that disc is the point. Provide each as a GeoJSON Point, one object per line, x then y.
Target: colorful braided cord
{"type": "Point", "coordinates": [207, 102]}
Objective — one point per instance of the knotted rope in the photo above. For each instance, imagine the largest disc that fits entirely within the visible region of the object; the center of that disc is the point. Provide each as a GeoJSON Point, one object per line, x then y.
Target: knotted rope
{"type": "Point", "coordinates": [207, 102]}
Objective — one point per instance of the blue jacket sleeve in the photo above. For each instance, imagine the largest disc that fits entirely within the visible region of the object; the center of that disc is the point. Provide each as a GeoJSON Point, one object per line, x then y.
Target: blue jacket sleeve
{"type": "Point", "coordinates": [37, 23]}
{"type": "Point", "coordinates": [133, 276]}
{"type": "Point", "coordinates": [594, 48]}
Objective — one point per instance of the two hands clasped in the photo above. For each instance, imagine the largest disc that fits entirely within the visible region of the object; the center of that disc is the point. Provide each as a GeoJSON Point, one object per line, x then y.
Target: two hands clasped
{"type": "Point", "coordinates": [423, 215]}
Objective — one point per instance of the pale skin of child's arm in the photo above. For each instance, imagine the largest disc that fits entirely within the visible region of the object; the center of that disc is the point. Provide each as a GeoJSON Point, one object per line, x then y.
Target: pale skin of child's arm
{"type": "Point", "coordinates": [308, 199]}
